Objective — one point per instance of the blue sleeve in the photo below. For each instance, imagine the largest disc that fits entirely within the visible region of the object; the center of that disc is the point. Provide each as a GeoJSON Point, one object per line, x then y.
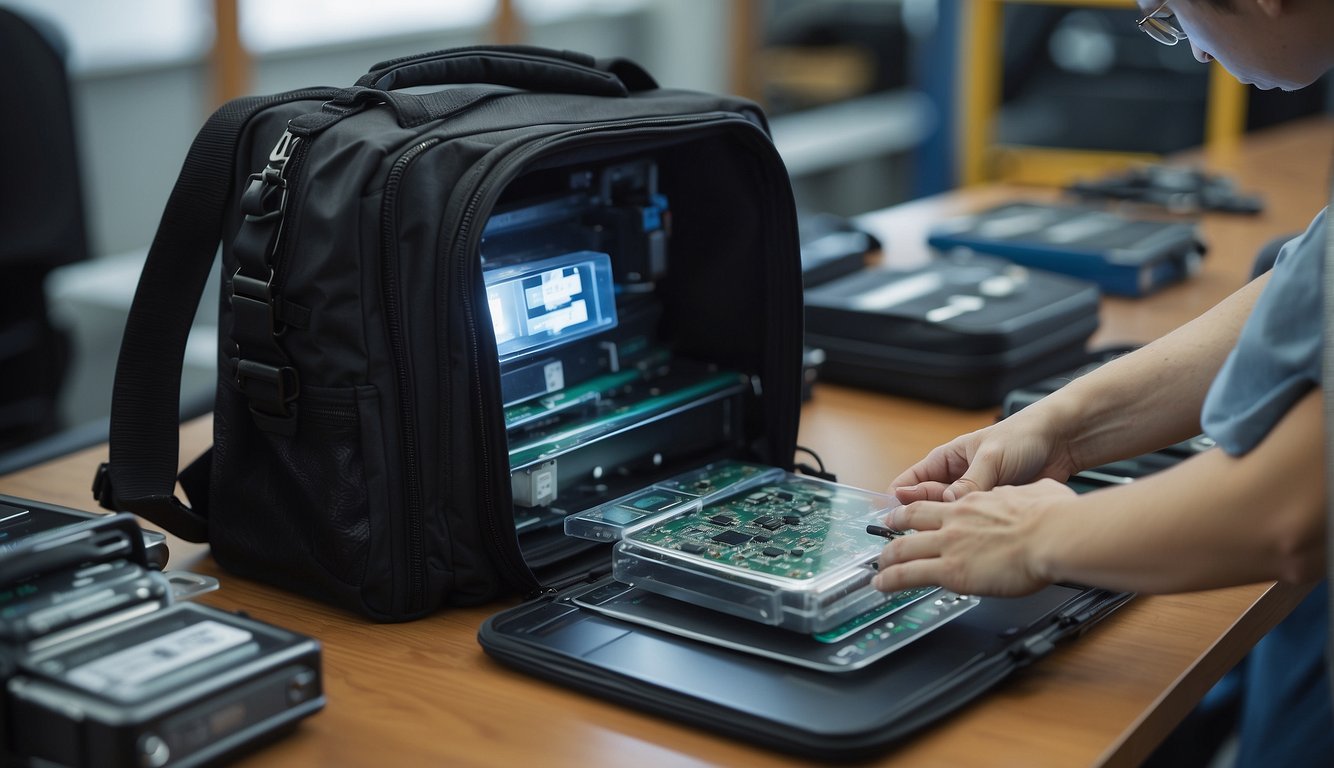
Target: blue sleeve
{"type": "Point", "coordinates": [1277, 357]}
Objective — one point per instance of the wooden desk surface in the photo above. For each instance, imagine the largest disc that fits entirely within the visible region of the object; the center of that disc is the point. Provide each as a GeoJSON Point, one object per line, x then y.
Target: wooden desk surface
{"type": "Point", "coordinates": [425, 694]}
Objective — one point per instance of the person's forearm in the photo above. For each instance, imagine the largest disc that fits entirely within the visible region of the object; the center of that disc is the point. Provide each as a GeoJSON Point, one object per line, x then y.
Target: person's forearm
{"type": "Point", "coordinates": [1212, 521]}
{"type": "Point", "coordinates": [1151, 397]}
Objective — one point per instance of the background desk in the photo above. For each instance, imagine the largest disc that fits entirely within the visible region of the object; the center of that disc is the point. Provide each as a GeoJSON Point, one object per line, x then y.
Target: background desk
{"type": "Point", "coordinates": [424, 693]}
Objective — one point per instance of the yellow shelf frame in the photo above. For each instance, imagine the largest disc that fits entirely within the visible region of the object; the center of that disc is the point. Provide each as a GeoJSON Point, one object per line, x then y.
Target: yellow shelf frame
{"type": "Point", "coordinates": [982, 160]}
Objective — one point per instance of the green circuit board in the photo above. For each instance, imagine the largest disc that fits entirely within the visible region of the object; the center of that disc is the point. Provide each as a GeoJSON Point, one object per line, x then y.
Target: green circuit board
{"type": "Point", "coordinates": [795, 529]}
{"type": "Point", "coordinates": [609, 521]}
{"type": "Point", "coordinates": [645, 400]}
{"type": "Point", "coordinates": [715, 478]}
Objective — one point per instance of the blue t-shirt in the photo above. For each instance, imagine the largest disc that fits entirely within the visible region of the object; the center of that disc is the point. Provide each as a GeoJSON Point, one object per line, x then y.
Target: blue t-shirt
{"type": "Point", "coordinates": [1277, 357]}
{"type": "Point", "coordinates": [1285, 717]}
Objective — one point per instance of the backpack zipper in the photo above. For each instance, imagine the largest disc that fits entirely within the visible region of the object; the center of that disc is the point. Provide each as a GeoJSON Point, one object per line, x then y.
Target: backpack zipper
{"type": "Point", "coordinates": [291, 175]}
{"type": "Point", "coordinates": [389, 295]}
{"type": "Point", "coordinates": [465, 247]}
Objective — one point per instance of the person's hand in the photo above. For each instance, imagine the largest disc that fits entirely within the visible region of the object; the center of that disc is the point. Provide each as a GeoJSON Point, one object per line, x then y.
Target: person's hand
{"type": "Point", "coordinates": [1022, 448]}
{"type": "Point", "coordinates": [985, 543]}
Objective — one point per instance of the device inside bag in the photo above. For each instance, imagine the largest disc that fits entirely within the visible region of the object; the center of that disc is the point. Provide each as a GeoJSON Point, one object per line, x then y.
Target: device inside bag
{"type": "Point", "coordinates": [712, 587]}
{"type": "Point", "coordinates": [614, 371]}
{"type": "Point", "coordinates": [102, 666]}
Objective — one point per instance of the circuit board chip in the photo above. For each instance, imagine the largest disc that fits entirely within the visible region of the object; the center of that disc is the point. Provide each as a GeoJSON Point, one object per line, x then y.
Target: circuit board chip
{"type": "Point", "coordinates": [730, 538]}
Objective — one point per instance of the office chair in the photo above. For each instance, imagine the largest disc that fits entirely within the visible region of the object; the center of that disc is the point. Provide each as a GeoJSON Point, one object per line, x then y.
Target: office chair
{"type": "Point", "coordinates": [42, 225]}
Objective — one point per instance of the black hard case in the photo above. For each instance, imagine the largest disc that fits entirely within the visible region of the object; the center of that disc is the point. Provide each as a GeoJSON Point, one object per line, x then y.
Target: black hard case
{"type": "Point", "coordinates": [824, 716]}
{"type": "Point", "coordinates": [970, 360]}
{"type": "Point", "coordinates": [202, 713]}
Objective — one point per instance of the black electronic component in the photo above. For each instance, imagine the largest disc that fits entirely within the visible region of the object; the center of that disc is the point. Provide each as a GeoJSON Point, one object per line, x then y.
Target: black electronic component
{"type": "Point", "coordinates": [731, 538]}
{"type": "Point", "coordinates": [772, 552]}
{"type": "Point", "coordinates": [186, 684]}
{"type": "Point", "coordinates": [722, 520]}
{"type": "Point", "coordinates": [1178, 189]}
{"type": "Point", "coordinates": [880, 530]}
{"type": "Point", "coordinates": [100, 667]}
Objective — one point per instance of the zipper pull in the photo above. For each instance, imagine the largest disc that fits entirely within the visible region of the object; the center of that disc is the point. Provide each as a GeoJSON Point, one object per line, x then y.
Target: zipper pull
{"type": "Point", "coordinates": [283, 150]}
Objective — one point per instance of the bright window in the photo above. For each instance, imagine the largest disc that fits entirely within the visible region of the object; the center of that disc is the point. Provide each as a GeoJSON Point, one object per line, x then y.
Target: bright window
{"type": "Point", "coordinates": [126, 33]}
{"type": "Point", "coordinates": [267, 25]}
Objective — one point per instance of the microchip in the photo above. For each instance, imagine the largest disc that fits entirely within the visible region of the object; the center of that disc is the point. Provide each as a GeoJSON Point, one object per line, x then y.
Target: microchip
{"type": "Point", "coordinates": [772, 552]}
{"type": "Point", "coordinates": [694, 548]}
{"type": "Point", "coordinates": [732, 538]}
{"type": "Point", "coordinates": [761, 538]}
{"type": "Point", "coordinates": [796, 552]}
{"type": "Point", "coordinates": [722, 520]}
{"type": "Point", "coordinates": [784, 495]}
{"type": "Point", "coordinates": [763, 521]}
{"type": "Point", "coordinates": [792, 519]}
{"type": "Point", "coordinates": [772, 523]}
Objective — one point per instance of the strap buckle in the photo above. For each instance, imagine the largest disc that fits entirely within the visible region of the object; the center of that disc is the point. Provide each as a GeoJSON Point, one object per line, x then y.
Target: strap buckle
{"type": "Point", "coordinates": [271, 389]}
{"type": "Point", "coordinates": [102, 491]}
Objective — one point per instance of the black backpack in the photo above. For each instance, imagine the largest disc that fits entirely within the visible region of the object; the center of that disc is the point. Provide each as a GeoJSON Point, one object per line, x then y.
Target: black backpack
{"type": "Point", "coordinates": [361, 452]}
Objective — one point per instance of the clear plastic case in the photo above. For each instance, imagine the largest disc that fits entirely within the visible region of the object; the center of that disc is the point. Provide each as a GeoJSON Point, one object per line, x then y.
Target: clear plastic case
{"type": "Point", "coordinates": [791, 552]}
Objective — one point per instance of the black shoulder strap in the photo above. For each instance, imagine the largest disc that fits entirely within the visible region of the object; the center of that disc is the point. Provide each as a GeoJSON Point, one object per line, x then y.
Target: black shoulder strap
{"type": "Point", "coordinates": [145, 445]}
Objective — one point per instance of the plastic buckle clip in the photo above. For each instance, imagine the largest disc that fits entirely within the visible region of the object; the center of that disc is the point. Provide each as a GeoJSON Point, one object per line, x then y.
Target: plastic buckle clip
{"type": "Point", "coordinates": [271, 389]}
{"type": "Point", "coordinates": [102, 491]}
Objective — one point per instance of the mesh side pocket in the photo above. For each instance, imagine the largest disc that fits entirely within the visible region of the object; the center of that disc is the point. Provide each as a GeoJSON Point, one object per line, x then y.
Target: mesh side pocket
{"type": "Point", "coordinates": [295, 511]}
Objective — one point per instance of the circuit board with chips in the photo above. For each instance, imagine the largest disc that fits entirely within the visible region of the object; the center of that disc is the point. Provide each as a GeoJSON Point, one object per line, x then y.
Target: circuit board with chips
{"type": "Point", "coordinates": [613, 520]}
{"type": "Point", "coordinates": [790, 552]}
{"type": "Point", "coordinates": [797, 529]}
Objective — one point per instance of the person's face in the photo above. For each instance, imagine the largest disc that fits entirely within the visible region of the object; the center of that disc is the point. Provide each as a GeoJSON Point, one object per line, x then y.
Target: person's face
{"type": "Point", "coordinates": [1253, 41]}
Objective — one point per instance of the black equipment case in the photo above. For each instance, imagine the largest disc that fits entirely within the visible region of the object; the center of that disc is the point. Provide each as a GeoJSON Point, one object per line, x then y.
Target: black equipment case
{"type": "Point", "coordinates": [960, 331]}
{"type": "Point", "coordinates": [360, 429]}
{"type": "Point", "coordinates": [451, 318]}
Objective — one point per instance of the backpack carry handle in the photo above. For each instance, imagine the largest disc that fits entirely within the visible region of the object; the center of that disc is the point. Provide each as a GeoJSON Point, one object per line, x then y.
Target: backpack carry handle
{"type": "Point", "coordinates": [519, 66]}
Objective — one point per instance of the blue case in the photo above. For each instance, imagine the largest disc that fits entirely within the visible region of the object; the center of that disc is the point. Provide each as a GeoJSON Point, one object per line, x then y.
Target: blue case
{"type": "Point", "coordinates": [1122, 255]}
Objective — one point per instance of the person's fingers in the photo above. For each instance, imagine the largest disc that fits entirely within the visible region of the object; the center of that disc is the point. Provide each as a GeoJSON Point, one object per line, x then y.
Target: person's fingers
{"type": "Point", "coordinates": [922, 471]}
{"type": "Point", "coordinates": [943, 464]}
{"type": "Point", "coordinates": [924, 491]}
{"type": "Point", "coordinates": [981, 476]}
{"type": "Point", "coordinates": [915, 573]}
{"type": "Point", "coordinates": [919, 515]}
{"type": "Point", "coordinates": [916, 546]}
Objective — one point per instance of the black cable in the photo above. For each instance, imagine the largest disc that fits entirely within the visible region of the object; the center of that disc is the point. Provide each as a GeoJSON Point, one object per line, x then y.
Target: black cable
{"type": "Point", "coordinates": [807, 469]}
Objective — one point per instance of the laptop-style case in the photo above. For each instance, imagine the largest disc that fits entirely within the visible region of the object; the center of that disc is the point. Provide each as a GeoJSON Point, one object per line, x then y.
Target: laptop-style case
{"type": "Point", "coordinates": [771, 700]}
{"type": "Point", "coordinates": [961, 331]}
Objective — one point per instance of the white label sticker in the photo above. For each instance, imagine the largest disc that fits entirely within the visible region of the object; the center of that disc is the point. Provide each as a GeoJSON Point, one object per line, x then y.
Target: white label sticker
{"type": "Point", "coordinates": [554, 373]}
{"type": "Point", "coordinates": [140, 663]}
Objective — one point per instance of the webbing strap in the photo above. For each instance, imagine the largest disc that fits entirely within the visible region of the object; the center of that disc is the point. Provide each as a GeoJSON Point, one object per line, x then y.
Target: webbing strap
{"type": "Point", "coordinates": [144, 440]}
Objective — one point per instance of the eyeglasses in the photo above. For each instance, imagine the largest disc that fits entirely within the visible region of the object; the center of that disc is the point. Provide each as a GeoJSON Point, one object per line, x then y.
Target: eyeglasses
{"type": "Point", "coordinates": [1161, 28]}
